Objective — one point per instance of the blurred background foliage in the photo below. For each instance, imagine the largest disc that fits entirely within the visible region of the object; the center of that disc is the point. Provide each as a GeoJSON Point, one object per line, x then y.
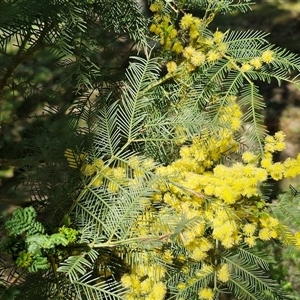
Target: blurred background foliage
{"type": "Point", "coordinates": [43, 81]}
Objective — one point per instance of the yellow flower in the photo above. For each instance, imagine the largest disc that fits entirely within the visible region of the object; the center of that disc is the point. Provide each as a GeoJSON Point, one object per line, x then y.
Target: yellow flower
{"type": "Point", "coordinates": [168, 256]}
{"type": "Point", "coordinates": [198, 254]}
{"type": "Point", "coordinates": [250, 241]}
{"type": "Point", "coordinates": [246, 67]}
{"type": "Point", "coordinates": [249, 157]}
{"type": "Point", "coordinates": [188, 51]}
{"type": "Point", "coordinates": [186, 21]}
{"type": "Point", "coordinates": [156, 7]}
{"type": "Point", "coordinates": [198, 58]}
{"type": "Point", "coordinates": [267, 56]}
{"type": "Point", "coordinates": [223, 273]}
{"type": "Point", "coordinates": [153, 28]}
{"type": "Point", "coordinates": [159, 291]}
{"type": "Point", "coordinates": [264, 234]}
{"type": "Point", "coordinates": [194, 32]}
{"type": "Point", "coordinates": [222, 47]}
{"type": "Point", "coordinates": [181, 286]}
{"type": "Point", "coordinates": [171, 66]}
{"type": "Point", "coordinates": [97, 181]}
{"type": "Point", "coordinates": [218, 37]}
{"type": "Point", "coordinates": [249, 229]}
{"type": "Point", "coordinates": [213, 56]}
{"type": "Point", "coordinates": [146, 286]}
{"type": "Point", "coordinates": [172, 33]}
{"type": "Point", "coordinates": [88, 170]}
{"type": "Point", "coordinates": [206, 294]}
{"type": "Point", "coordinates": [256, 63]}
{"type": "Point", "coordinates": [177, 47]}
{"type": "Point", "coordinates": [276, 171]}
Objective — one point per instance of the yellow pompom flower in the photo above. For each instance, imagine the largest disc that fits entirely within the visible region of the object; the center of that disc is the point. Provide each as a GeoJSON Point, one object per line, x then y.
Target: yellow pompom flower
{"type": "Point", "coordinates": [276, 171]}
{"type": "Point", "coordinates": [156, 7]}
{"type": "Point", "coordinates": [153, 28]}
{"type": "Point", "coordinates": [213, 56]}
{"type": "Point", "coordinates": [250, 241]}
{"type": "Point", "coordinates": [267, 56]}
{"type": "Point", "coordinates": [206, 294]}
{"type": "Point", "coordinates": [223, 273]}
{"type": "Point", "coordinates": [171, 66]}
{"type": "Point", "coordinates": [264, 234]}
{"type": "Point", "coordinates": [249, 157]}
{"type": "Point", "coordinates": [177, 47]}
{"type": "Point", "coordinates": [198, 254]}
{"type": "Point", "coordinates": [218, 37]}
{"type": "Point", "coordinates": [249, 229]}
{"type": "Point", "coordinates": [159, 291]}
{"type": "Point", "coordinates": [194, 32]}
{"type": "Point", "coordinates": [186, 21]}
{"type": "Point", "coordinates": [198, 58]}
{"type": "Point", "coordinates": [256, 63]}
{"type": "Point", "coordinates": [189, 51]}
{"type": "Point", "coordinates": [246, 67]}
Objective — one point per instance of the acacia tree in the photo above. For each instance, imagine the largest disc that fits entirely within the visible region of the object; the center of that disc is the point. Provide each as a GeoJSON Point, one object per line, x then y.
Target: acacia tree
{"type": "Point", "coordinates": [149, 181]}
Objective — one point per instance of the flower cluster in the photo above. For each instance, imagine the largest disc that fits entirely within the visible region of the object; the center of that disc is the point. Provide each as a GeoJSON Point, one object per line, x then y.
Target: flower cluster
{"type": "Point", "coordinates": [188, 41]}
{"type": "Point", "coordinates": [223, 201]}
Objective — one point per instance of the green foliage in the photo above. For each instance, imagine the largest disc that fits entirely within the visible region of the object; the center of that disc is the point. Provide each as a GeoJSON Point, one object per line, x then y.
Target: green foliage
{"type": "Point", "coordinates": [148, 180]}
{"type": "Point", "coordinates": [23, 221]}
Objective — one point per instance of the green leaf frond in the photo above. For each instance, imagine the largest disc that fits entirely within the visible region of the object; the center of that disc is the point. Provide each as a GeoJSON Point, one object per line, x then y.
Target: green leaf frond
{"type": "Point", "coordinates": [76, 266]}
{"type": "Point", "coordinates": [216, 6]}
{"type": "Point", "coordinates": [253, 103]}
{"type": "Point", "coordinates": [93, 288]}
{"type": "Point", "coordinates": [245, 44]}
{"type": "Point", "coordinates": [247, 280]}
{"type": "Point", "coordinates": [23, 220]}
{"type": "Point", "coordinates": [287, 209]}
{"type": "Point", "coordinates": [142, 74]}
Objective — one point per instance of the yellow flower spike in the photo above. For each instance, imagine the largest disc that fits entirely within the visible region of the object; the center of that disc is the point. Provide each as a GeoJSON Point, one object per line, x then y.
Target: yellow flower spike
{"type": "Point", "coordinates": [173, 33]}
{"type": "Point", "coordinates": [267, 56]}
{"type": "Point", "coordinates": [88, 170]}
{"type": "Point", "coordinates": [97, 181]}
